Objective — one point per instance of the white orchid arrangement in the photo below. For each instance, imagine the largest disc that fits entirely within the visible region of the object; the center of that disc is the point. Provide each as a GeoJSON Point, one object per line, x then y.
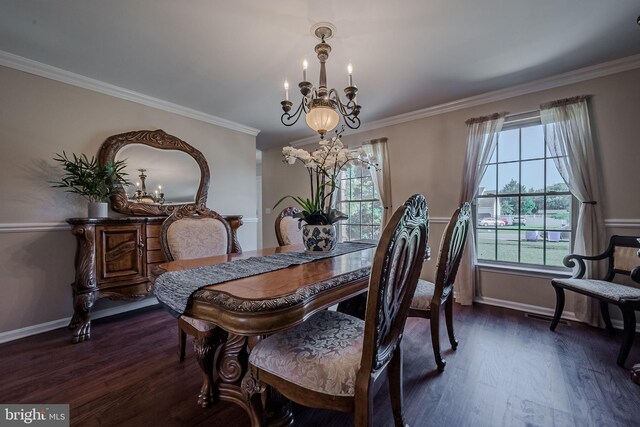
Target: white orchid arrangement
{"type": "Point", "coordinates": [323, 166]}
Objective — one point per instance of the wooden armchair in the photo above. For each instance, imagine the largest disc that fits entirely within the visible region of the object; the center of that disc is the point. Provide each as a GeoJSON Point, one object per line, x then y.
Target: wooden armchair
{"type": "Point", "coordinates": [288, 230]}
{"type": "Point", "coordinates": [196, 232]}
{"type": "Point", "coordinates": [622, 260]}
{"type": "Point", "coordinates": [332, 359]}
{"type": "Point", "coordinates": [430, 296]}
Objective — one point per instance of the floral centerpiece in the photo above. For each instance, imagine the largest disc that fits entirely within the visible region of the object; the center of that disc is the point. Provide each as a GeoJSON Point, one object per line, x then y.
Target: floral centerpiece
{"type": "Point", "coordinates": [323, 166]}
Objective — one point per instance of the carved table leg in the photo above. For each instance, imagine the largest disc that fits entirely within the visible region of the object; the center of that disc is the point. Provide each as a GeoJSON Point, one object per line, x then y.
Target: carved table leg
{"type": "Point", "coordinates": [204, 347]}
{"type": "Point", "coordinates": [80, 324]}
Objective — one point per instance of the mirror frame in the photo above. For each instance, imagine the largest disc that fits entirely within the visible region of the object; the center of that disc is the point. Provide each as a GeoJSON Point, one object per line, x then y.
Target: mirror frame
{"type": "Point", "coordinates": [156, 139]}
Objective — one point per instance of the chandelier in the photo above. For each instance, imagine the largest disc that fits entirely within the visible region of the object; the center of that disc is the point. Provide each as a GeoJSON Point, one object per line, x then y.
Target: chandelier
{"type": "Point", "coordinates": [141, 195]}
{"type": "Point", "coordinates": [323, 107]}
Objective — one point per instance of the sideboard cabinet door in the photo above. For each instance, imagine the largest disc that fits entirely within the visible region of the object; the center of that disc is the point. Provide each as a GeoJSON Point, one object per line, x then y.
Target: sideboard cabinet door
{"type": "Point", "coordinates": [121, 254]}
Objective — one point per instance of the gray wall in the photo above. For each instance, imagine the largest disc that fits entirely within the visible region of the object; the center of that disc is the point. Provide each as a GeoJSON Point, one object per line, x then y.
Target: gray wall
{"type": "Point", "coordinates": [39, 117]}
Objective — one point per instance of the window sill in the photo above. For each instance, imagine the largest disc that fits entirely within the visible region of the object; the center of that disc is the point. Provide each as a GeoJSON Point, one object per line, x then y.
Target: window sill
{"type": "Point", "coordinates": [524, 271]}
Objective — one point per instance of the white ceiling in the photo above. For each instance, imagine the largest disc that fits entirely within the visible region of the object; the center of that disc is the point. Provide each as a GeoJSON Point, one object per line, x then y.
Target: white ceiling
{"type": "Point", "coordinates": [230, 58]}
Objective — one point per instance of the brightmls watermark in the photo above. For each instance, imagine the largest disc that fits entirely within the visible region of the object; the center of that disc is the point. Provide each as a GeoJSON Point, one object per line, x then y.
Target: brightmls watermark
{"type": "Point", "coordinates": [34, 415]}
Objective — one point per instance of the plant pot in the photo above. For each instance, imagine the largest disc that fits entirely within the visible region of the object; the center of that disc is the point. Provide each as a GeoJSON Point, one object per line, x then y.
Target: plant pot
{"type": "Point", "coordinates": [319, 238]}
{"type": "Point", "coordinates": [98, 209]}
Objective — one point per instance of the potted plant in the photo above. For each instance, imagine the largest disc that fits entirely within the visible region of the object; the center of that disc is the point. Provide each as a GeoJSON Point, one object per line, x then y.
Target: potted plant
{"type": "Point", "coordinates": [87, 178]}
{"type": "Point", "coordinates": [323, 166]}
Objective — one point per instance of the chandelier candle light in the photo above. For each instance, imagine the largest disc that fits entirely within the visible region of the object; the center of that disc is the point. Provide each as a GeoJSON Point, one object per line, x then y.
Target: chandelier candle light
{"type": "Point", "coordinates": [320, 104]}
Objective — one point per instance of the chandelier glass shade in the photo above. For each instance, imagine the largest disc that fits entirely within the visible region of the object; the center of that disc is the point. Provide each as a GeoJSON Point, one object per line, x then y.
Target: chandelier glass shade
{"type": "Point", "coordinates": [322, 118]}
{"type": "Point", "coordinates": [322, 106]}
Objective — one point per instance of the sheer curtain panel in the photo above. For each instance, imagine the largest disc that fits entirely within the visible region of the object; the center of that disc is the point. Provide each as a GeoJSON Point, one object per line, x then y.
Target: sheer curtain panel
{"type": "Point", "coordinates": [481, 142]}
{"type": "Point", "coordinates": [377, 150]}
{"type": "Point", "coordinates": [568, 133]}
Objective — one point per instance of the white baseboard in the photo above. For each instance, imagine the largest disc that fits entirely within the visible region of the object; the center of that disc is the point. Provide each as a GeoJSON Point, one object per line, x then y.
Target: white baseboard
{"type": "Point", "coordinates": [62, 323]}
{"type": "Point", "coordinates": [544, 311]}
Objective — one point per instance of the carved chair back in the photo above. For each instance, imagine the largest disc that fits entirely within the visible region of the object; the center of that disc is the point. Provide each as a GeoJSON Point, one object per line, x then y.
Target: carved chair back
{"type": "Point", "coordinates": [195, 232]}
{"type": "Point", "coordinates": [393, 280]}
{"type": "Point", "coordinates": [622, 255]}
{"type": "Point", "coordinates": [288, 230]}
{"type": "Point", "coordinates": [451, 248]}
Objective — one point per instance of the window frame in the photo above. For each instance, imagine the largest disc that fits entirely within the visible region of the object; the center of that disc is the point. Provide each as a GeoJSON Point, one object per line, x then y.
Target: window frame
{"type": "Point", "coordinates": [374, 200]}
{"type": "Point", "coordinates": [531, 120]}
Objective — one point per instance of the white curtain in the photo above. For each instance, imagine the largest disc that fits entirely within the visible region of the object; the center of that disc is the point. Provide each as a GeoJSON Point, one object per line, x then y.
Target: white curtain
{"type": "Point", "coordinates": [481, 142]}
{"type": "Point", "coordinates": [568, 133]}
{"type": "Point", "coordinates": [378, 152]}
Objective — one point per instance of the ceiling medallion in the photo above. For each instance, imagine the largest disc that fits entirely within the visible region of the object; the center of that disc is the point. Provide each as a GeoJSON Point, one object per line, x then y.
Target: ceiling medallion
{"type": "Point", "coordinates": [320, 104]}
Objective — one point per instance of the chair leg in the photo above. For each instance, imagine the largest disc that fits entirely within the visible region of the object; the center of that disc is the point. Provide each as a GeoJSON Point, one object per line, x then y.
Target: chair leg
{"type": "Point", "coordinates": [448, 315]}
{"type": "Point", "coordinates": [629, 316]}
{"type": "Point", "coordinates": [604, 309]}
{"type": "Point", "coordinates": [363, 406]}
{"type": "Point", "coordinates": [182, 343]}
{"type": "Point", "coordinates": [253, 390]}
{"type": "Point", "coordinates": [395, 386]}
{"type": "Point", "coordinates": [559, 307]}
{"type": "Point", "coordinates": [435, 337]}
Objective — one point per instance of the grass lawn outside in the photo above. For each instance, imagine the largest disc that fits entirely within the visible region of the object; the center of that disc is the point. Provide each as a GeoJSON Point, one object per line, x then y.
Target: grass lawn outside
{"type": "Point", "coordinates": [531, 252]}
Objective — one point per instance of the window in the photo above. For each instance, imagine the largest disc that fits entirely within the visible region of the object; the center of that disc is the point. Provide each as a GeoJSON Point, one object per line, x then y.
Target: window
{"type": "Point", "coordinates": [358, 199]}
{"type": "Point", "coordinates": [523, 208]}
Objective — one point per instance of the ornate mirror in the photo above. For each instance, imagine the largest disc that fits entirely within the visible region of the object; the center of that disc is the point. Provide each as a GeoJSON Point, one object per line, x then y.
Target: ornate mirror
{"type": "Point", "coordinates": [165, 172]}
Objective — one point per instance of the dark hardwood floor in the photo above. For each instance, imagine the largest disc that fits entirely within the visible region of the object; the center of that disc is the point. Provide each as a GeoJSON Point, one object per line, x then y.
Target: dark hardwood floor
{"type": "Point", "coordinates": [509, 370]}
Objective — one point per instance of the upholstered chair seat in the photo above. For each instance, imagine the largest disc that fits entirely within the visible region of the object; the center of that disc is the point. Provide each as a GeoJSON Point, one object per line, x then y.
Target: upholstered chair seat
{"type": "Point", "coordinates": [423, 296]}
{"type": "Point", "coordinates": [322, 354]}
{"type": "Point", "coordinates": [601, 288]}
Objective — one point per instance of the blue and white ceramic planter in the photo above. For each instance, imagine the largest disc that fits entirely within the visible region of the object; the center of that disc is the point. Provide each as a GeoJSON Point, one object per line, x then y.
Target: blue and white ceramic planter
{"type": "Point", "coordinates": [319, 238]}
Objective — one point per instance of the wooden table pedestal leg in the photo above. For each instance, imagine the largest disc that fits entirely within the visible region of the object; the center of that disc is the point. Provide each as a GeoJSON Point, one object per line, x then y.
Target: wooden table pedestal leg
{"type": "Point", "coordinates": [232, 367]}
{"type": "Point", "coordinates": [204, 346]}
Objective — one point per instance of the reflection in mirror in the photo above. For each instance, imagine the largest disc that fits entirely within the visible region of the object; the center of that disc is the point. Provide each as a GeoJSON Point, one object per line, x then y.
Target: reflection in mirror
{"type": "Point", "coordinates": [166, 161]}
{"type": "Point", "coordinates": [160, 176]}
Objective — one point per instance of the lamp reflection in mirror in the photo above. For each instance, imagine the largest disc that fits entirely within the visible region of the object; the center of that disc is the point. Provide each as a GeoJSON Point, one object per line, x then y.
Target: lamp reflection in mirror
{"type": "Point", "coordinates": [322, 106]}
{"type": "Point", "coordinates": [141, 195]}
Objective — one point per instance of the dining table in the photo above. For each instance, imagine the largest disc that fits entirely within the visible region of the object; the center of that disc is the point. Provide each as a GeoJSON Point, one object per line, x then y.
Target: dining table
{"type": "Point", "coordinates": [246, 309]}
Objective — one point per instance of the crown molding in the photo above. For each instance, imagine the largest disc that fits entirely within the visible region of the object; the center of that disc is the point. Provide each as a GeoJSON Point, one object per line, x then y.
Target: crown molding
{"type": "Point", "coordinates": [47, 71]}
{"type": "Point", "coordinates": [576, 76]}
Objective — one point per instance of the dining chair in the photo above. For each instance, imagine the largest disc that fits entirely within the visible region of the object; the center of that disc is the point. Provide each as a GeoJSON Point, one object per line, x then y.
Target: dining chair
{"type": "Point", "coordinates": [194, 232]}
{"type": "Point", "coordinates": [332, 360]}
{"type": "Point", "coordinates": [288, 231]}
{"type": "Point", "coordinates": [622, 262]}
{"type": "Point", "coordinates": [429, 297]}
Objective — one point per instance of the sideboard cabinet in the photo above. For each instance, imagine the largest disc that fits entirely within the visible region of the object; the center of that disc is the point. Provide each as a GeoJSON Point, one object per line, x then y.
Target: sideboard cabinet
{"type": "Point", "coordinates": [114, 259]}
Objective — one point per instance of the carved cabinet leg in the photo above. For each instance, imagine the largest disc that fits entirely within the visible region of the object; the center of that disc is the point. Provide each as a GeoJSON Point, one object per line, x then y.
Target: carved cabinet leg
{"type": "Point", "coordinates": [80, 324]}
{"type": "Point", "coordinates": [204, 347]}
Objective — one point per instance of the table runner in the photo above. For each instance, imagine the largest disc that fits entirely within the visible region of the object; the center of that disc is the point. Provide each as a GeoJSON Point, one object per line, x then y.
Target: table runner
{"type": "Point", "coordinates": [174, 288]}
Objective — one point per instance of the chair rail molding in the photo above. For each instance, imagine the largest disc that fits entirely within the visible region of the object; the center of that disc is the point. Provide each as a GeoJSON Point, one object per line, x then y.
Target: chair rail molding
{"type": "Point", "coordinates": [622, 223]}
{"type": "Point", "coordinates": [47, 71]}
{"type": "Point", "coordinates": [29, 227]}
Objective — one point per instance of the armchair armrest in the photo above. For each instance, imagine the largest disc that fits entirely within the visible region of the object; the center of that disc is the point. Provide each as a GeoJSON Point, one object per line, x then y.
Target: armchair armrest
{"type": "Point", "coordinates": [568, 261]}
